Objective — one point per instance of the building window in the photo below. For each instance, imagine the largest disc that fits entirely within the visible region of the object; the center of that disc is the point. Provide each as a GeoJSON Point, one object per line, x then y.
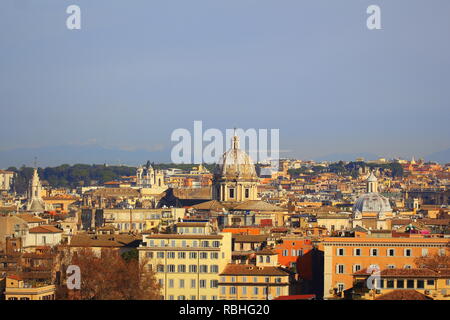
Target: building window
{"type": "Point", "coordinates": [420, 284]}
{"type": "Point", "coordinates": [160, 255]}
{"type": "Point", "coordinates": [202, 283]}
{"type": "Point", "coordinates": [171, 268]}
{"type": "Point", "coordinates": [390, 284]}
{"type": "Point", "coordinates": [181, 268]}
{"type": "Point", "coordinates": [391, 252]}
{"type": "Point", "coordinates": [285, 253]}
{"type": "Point", "coordinates": [214, 283]}
{"type": "Point", "coordinates": [231, 192]}
{"type": "Point", "coordinates": [223, 290]}
{"type": "Point", "coordinates": [407, 252]}
{"type": "Point", "coordinates": [374, 252]}
{"type": "Point", "coordinates": [244, 279]}
{"type": "Point", "coordinates": [247, 192]}
{"type": "Point", "coordinates": [214, 255]}
{"type": "Point", "coordinates": [255, 291]}
{"type": "Point", "coordinates": [244, 290]}
{"type": "Point", "coordinates": [181, 255]}
{"type": "Point", "coordinates": [203, 268]}
{"type": "Point", "coordinates": [216, 244]}
{"type": "Point", "coordinates": [340, 287]}
{"type": "Point", "coordinates": [410, 284]}
{"type": "Point", "coordinates": [192, 255]}
{"type": "Point", "coordinates": [171, 283]}
{"type": "Point", "coordinates": [149, 255]}
{"type": "Point", "coordinates": [181, 298]}
{"type": "Point", "coordinates": [192, 283]}
{"type": "Point", "coordinates": [340, 269]}
{"type": "Point", "coordinates": [430, 282]}
{"type": "Point", "coordinates": [357, 252]}
{"type": "Point", "coordinates": [232, 290]}
{"type": "Point", "coordinates": [203, 255]}
{"type": "Point", "coordinates": [193, 298]}
{"type": "Point", "coordinates": [214, 268]}
{"type": "Point", "coordinates": [340, 251]}
{"type": "Point", "coordinates": [356, 267]}
{"type": "Point", "coordinates": [192, 268]}
{"type": "Point", "coordinates": [171, 255]}
{"type": "Point", "coordinates": [278, 291]}
{"type": "Point", "coordinates": [407, 266]}
{"type": "Point", "coordinates": [160, 268]}
{"type": "Point", "coordinates": [181, 283]}
{"type": "Point", "coordinates": [400, 284]}
{"type": "Point", "coordinates": [424, 252]}
{"type": "Point", "coordinates": [391, 266]}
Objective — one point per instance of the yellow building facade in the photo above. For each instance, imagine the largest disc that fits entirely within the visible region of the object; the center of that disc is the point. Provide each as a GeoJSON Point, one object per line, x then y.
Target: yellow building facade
{"type": "Point", "coordinates": [187, 266]}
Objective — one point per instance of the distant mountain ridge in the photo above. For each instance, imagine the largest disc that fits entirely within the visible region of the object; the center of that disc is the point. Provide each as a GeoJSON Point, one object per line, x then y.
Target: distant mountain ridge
{"type": "Point", "coordinates": [95, 154]}
{"type": "Point", "coordinates": [73, 154]}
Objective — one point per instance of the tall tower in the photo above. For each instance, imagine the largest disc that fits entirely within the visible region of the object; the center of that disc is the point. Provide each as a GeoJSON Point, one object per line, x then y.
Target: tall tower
{"type": "Point", "coordinates": [35, 187]}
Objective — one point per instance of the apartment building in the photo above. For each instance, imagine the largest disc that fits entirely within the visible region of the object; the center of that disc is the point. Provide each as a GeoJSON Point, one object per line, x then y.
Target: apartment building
{"type": "Point", "coordinates": [432, 283]}
{"type": "Point", "coordinates": [345, 256]}
{"type": "Point", "coordinates": [187, 265]}
{"type": "Point", "coordinates": [140, 220]}
{"type": "Point", "coordinates": [263, 280]}
{"type": "Point", "coordinates": [17, 288]}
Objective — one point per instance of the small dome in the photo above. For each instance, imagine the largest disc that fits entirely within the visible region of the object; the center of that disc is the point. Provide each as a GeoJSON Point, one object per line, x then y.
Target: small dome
{"type": "Point", "coordinates": [372, 202]}
{"type": "Point", "coordinates": [235, 163]}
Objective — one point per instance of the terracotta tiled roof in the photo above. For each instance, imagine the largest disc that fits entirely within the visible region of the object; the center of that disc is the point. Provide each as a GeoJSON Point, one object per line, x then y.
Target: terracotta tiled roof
{"type": "Point", "coordinates": [30, 218]}
{"type": "Point", "coordinates": [403, 295]}
{"type": "Point", "coordinates": [209, 205]}
{"type": "Point", "coordinates": [256, 205]}
{"type": "Point", "coordinates": [249, 238]}
{"type": "Point", "coordinates": [104, 240]}
{"type": "Point", "coordinates": [45, 229]}
{"type": "Point", "coordinates": [242, 269]}
{"type": "Point", "coordinates": [266, 251]}
{"type": "Point", "coordinates": [15, 277]}
{"type": "Point", "coordinates": [397, 272]}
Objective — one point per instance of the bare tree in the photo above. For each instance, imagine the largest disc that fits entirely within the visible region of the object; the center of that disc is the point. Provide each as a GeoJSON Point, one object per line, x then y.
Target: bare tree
{"type": "Point", "coordinates": [108, 276]}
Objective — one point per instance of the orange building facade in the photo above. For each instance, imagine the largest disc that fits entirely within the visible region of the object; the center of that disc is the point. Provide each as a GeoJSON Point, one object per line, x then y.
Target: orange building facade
{"type": "Point", "coordinates": [345, 256]}
{"type": "Point", "coordinates": [293, 253]}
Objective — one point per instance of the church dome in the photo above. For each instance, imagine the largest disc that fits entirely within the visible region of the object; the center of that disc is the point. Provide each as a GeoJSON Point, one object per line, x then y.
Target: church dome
{"type": "Point", "coordinates": [235, 163]}
{"type": "Point", "coordinates": [372, 202]}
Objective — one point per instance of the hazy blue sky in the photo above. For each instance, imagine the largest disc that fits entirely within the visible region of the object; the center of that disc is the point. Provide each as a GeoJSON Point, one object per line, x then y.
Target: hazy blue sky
{"type": "Point", "coordinates": [138, 69]}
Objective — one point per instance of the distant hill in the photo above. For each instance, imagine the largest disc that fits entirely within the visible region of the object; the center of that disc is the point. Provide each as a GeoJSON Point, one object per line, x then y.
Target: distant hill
{"type": "Point", "coordinates": [72, 154]}
{"type": "Point", "coordinates": [441, 156]}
